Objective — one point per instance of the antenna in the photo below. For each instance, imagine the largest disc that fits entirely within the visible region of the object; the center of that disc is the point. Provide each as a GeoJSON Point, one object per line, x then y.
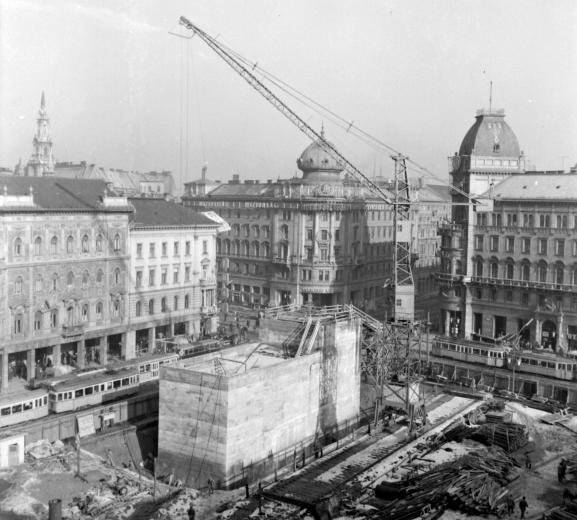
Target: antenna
{"type": "Point", "coordinates": [490, 95]}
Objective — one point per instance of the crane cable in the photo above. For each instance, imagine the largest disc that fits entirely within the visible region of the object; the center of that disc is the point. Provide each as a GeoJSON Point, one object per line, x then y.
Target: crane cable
{"type": "Point", "coordinates": [339, 121]}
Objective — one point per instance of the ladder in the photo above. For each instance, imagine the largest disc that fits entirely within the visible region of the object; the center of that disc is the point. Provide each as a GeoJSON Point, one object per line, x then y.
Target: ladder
{"type": "Point", "coordinates": [313, 337]}
{"type": "Point", "coordinates": [304, 336]}
{"type": "Point", "coordinates": [218, 368]}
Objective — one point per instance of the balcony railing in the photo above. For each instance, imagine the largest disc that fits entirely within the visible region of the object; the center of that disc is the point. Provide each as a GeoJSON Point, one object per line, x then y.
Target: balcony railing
{"type": "Point", "coordinates": [209, 309]}
{"type": "Point", "coordinates": [207, 281]}
{"type": "Point", "coordinates": [548, 286]}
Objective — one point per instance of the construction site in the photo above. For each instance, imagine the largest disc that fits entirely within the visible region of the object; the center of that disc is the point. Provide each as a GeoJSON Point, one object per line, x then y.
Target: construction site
{"type": "Point", "coordinates": [291, 424]}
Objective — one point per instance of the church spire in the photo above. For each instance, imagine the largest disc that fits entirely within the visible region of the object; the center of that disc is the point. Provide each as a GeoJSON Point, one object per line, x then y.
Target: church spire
{"type": "Point", "coordinates": [41, 161]}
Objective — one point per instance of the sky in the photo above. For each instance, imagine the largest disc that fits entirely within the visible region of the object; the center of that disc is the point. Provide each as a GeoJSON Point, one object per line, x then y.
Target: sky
{"type": "Point", "coordinates": [123, 92]}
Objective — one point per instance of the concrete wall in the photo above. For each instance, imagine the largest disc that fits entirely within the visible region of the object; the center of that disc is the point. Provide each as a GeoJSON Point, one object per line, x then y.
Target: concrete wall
{"type": "Point", "coordinates": [192, 425]}
{"type": "Point", "coordinates": [17, 457]}
{"type": "Point", "coordinates": [276, 331]}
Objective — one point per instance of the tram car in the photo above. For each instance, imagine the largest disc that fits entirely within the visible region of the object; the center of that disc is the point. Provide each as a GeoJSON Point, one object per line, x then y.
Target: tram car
{"type": "Point", "coordinates": [488, 354]}
{"type": "Point", "coordinates": [92, 389]}
{"type": "Point", "coordinates": [545, 364]}
{"type": "Point", "coordinates": [188, 350]}
{"type": "Point", "coordinates": [19, 408]}
{"type": "Point", "coordinates": [148, 367]}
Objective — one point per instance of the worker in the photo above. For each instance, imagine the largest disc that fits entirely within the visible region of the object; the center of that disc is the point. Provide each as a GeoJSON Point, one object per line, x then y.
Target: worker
{"type": "Point", "coordinates": [510, 504]}
{"type": "Point", "coordinates": [528, 463]}
{"type": "Point", "coordinates": [561, 470]}
{"type": "Point", "coordinates": [109, 460]}
{"type": "Point", "coordinates": [523, 505]}
{"type": "Point", "coordinates": [191, 513]}
{"type": "Point", "coordinates": [210, 486]}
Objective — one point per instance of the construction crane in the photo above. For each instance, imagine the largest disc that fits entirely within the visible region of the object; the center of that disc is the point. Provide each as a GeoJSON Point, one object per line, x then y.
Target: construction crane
{"type": "Point", "coordinates": [388, 356]}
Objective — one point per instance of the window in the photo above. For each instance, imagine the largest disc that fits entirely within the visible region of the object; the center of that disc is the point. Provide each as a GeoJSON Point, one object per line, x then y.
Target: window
{"type": "Point", "coordinates": [494, 269]}
{"type": "Point", "coordinates": [560, 247]}
{"type": "Point", "coordinates": [187, 273]}
{"type": "Point", "coordinates": [542, 271]}
{"type": "Point", "coordinates": [324, 233]}
{"type": "Point", "coordinates": [138, 279]}
{"type": "Point", "coordinates": [559, 273]}
{"type": "Point", "coordinates": [511, 219]}
{"type": "Point", "coordinates": [85, 248]}
{"type": "Point", "coordinates": [187, 248]}
{"type": "Point", "coordinates": [175, 275]}
{"type": "Point", "coordinates": [70, 279]}
{"type": "Point", "coordinates": [186, 301]}
{"type": "Point", "coordinates": [37, 246]}
{"type": "Point", "coordinates": [542, 246]}
{"type": "Point", "coordinates": [18, 323]}
{"type": "Point", "coordinates": [115, 309]}
{"type": "Point", "coordinates": [176, 248]}
{"type": "Point", "coordinates": [306, 275]}
{"type": "Point", "coordinates": [164, 249]}
{"type": "Point", "coordinates": [509, 271]}
{"type": "Point", "coordinates": [525, 271]}
{"type": "Point", "coordinates": [525, 245]}
{"type": "Point", "coordinates": [509, 244]}
{"type": "Point", "coordinates": [151, 277]}
{"type": "Point", "coordinates": [18, 283]}
{"type": "Point", "coordinates": [99, 276]}
{"type": "Point", "coordinates": [245, 232]}
{"type": "Point", "coordinates": [84, 313]}
{"type": "Point", "coordinates": [18, 247]}
{"type": "Point", "coordinates": [324, 254]}
{"type": "Point", "coordinates": [117, 276]}
{"type": "Point", "coordinates": [70, 244]}
{"type": "Point", "coordinates": [163, 277]}
{"type": "Point", "coordinates": [139, 250]}
{"type": "Point", "coordinates": [286, 214]}
{"type": "Point", "coordinates": [509, 296]}
{"type": "Point", "coordinates": [175, 303]}
{"type": "Point", "coordinates": [85, 279]}
{"type": "Point", "coordinates": [338, 275]}
{"type": "Point", "coordinates": [151, 306]}
{"type": "Point", "coordinates": [494, 243]}
{"type": "Point", "coordinates": [38, 285]}
{"type": "Point", "coordinates": [138, 309]}
{"type": "Point", "coordinates": [479, 242]}
{"type": "Point", "coordinates": [152, 250]}
{"type": "Point", "coordinates": [544, 221]}
{"type": "Point", "coordinates": [37, 320]}
{"type": "Point", "coordinates": [99, 245]}
{"type": "Point", "coordinates": [54, 317]}
{"type": "Point", "coordinates": [266, 231]}
{"type": "Point", "coordinates": [53, 246]}
{"type": "Point", "coordinates": [525, 298]}
{"type": "Point", "coordinates": [479, 268]}
{"type": "Point", "coordinates": [54, 284]}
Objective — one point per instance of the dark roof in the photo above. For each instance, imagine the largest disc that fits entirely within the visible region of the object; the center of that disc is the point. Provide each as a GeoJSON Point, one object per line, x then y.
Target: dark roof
{"type": "Point", "coordinates": [490, 136]}
{"type": "Point", "coordinates": [536, 187]}
{"type": "Point", "coordinates": [160, 212]}
{"type": "Point", "coordinates": [58, 193]}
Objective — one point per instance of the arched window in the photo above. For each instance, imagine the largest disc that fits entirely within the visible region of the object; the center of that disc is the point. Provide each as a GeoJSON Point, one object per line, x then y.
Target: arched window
{"type": "Point", "coordinates": [85, 279]}
{"type": "Point", "coordinates": [70, 315]}
{"type": "Point", "coordinates": [479, 267]}
{"type": "Point", "coordinates": [236, 250]}
{"type": "Point", "coordinates": [559, 273]}
{"type": "Point", "coordinates": [542, 271]}
{"type": "Point", "coordinates": [115, 308]}
{"type": "Point", "coordinates": [245, 248]}
{"type": "Point", "coordinates": [284, 232]}
{"type": "Point", "coordinates": [38, 284]}
{"type": "Point", "coordinates": [525, 271]}
{"type": "Point", "coordinates": [54, 246]}
{"type": "Point", "coordinates": [255, 248]}
{"type": "Point", "coordinates": [494, 269]}
{"type": "Point", "coordinates": [175, 303]}
{"type": "Point", "coordinates": [85, 312]}
{"type": "Point", "coordinates": [37, 246]}
{"type": "Point", "coordinates": [38, 320]}
{"type": "Point", "coordinates": [117, 276]}
{"type": "Point", "coordinates": [186, 301]}
{"type": "Point", "coordinates": [85, 247]}
{"type": "Point", "coordinates": [99, 244]}
{"type": "Point", "coordinates": [163, 304]}
{"type": "Point", "coordinates": [510, 270]}
{"type": "Point", "coordinates": [99, 311]}
{"type": "Point", "coordinates": [138, 308]}
{"type": "Point", "coordinates": [70, 279]}
{"type": "Point", "coordinates": [265, 231]}
{"type": "Point", "coordinates": [266, 249]}
{"type": "Point", "coordinates": [256, 231]}
{"type": "Point", "coordinates": [18, 323]}
{"type": "Point", "coordinates": [117, 242]}
{"type": "Point", "coordinates": [54, 284]}
{"type": "Point", "coordinates": [151, 306]}
{"type": "Point", "coordinates": [99, 276]}
{"type": "Point", "coordinates": [18, 248]}
{"type": "Point", "coordinates": [70, 244]}
{"type": "Point", "coordinates": [18, 283]}
{"type": "Point", "coordinates": [458, 267]}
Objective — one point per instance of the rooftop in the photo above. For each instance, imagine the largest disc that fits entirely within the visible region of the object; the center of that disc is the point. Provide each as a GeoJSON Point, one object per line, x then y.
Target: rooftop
{"type": "Point", "coordinates": [159, 212]}
{"type": "Point", "coordinates": [532, 186]}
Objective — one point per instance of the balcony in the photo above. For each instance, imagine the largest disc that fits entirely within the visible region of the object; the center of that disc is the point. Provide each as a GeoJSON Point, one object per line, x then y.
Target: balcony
{"type": "Point", "coordinates": [69, 331]}
{"type": "Point", "coordinates": [209, 309]}
{"type": "Point", "coordinates": [285, 260]}
{"type": "Point", "coordinates": [207, 281]}
{"type": "Point", "coordinates": [546, 286]}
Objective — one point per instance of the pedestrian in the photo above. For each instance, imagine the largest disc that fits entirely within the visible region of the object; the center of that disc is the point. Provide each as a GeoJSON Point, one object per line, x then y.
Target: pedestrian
{"type": "Point", "coordinates": [523, 505]}
{"type": "Point", "coordinates": [210, 486]}
{"type": "Point", "coordinates": [528, 460]}
{"type": "Point", "coordinates": [109, 460]}
{"type": "Point", "coordinates": [561, 470]}
{"type": "Point", "coordinates": [191, 513]}
{"type": "Point", "coordinates": [510, 504]}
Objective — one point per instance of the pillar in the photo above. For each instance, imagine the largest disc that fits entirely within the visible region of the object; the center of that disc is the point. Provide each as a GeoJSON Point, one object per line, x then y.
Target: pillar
{"type": "Point", "coordinates": [538, 325]}
{"type": "Point", "coordinates": [56, 354]}
{"type": "Point", "coordinates": [170, 330]}
{"type": "Point", "coordinates": [129, 345]}
{"type": "Point", "coordinates": [30, 364]}
{"type": "Point", "coordinates": [151, 340]}
{"type": "Point", "coordinates": [81, 353]}
{"type": "Point", "coordinates": [447, 322]}
{"type": "Point", "coordinates": [4, 370]}
{"type": "Point", "coordinates": [104, 350]}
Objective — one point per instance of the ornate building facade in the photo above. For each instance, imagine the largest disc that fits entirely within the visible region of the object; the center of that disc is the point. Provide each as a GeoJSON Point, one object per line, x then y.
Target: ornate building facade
{"type": "Point", "coordinates": [64, 273]}
{"type": "Point", "coordinates": [320, 239]}
{"type": "Point", "coordinates": [173, 273]}
{"type": "Point", "coordinates": [512, 257]}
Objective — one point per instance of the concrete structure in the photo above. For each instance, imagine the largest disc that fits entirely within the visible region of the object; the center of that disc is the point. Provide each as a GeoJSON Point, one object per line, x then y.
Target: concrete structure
{"type": "Point", "coordinates": [247, 410]}
{"type": "Point", "coordinates": [322, 239]}
{"type": "Point", "coordinates": [173, 273]}
{"type": "Point", "coordinates": [513, 257]}
{"type": "Point", "coordinates": [12, 445]}
{"type": "Point", "coordinates": [63, 273]}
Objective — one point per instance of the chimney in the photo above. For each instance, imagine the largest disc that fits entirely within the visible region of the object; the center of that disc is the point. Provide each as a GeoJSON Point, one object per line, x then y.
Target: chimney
{"type": "Point", "coordinates": [203, 174]}
{"type": "Point", "coordinates": [236, 178]}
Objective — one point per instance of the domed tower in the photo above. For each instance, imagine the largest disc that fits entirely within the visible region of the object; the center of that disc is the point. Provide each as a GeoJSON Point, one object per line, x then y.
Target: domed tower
{"type": "Point", "coordinates": [317, 165]}
{"type": "Point", "coordinates": [489, 153]}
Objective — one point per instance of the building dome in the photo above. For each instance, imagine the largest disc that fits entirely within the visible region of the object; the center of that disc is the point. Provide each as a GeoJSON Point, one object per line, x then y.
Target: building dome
{"type": "Point", "coordinates": [318, 165]}
{"type": "Point", "coordinates": [490, 136]}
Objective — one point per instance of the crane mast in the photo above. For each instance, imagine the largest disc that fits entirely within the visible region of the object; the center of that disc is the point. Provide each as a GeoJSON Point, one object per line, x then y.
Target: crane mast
{"type": "Point", "coordinates": [403, 284]}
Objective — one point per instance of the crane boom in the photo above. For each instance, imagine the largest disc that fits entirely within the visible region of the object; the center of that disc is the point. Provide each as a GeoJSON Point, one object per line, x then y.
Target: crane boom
{"type": "Point", "coordinates": [294, 118]}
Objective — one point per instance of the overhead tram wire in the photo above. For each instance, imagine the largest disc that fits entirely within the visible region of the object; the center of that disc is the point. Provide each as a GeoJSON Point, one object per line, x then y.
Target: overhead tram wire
{"type": "Point", "coordinates": [346, 125]}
